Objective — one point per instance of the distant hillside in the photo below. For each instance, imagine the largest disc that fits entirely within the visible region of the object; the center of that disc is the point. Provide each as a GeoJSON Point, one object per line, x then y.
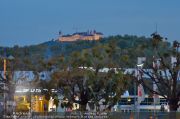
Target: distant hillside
{"type": "Point", "coordinates": [132, 46]}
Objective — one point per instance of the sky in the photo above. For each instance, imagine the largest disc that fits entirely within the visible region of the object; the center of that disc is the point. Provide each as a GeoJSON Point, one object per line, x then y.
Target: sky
{"type": "Point", "coordinates": [28, 22]}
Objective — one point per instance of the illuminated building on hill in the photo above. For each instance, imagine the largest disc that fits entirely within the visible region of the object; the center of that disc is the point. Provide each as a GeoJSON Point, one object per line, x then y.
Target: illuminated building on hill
{"type": "Point", "coordinates": [89, 35]}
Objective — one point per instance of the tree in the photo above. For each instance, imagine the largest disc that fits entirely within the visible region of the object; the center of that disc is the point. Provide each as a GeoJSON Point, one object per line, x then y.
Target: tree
{"type": "Point", "coordinates": [84, 79]}
{"type": "Point", "coordinates": [164, 74]}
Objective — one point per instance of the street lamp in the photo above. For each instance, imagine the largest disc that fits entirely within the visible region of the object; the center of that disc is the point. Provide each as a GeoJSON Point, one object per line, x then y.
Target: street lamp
{"type": "Point", "coordinates": [5, 85]}
{"type": "Point", "coordinates": [139, 65]}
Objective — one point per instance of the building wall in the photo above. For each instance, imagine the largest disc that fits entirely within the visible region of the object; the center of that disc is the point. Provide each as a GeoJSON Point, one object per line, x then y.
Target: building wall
{"type": "Point", "coordinates": [79, 37]}
{"type": "Point", "coordinates": [37, 104]}
{"type": "Point", "coordinates": [22, 104]}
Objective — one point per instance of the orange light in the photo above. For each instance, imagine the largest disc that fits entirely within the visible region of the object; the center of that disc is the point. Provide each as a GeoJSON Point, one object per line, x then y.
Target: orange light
{"type": "Point", "coordinates": [4, 68]}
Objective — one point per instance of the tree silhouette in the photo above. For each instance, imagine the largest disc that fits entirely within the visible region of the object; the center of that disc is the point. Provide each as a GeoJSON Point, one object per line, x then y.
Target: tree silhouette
{"type": "Point", "coordinates": [83, 78]}
{"type": "Point", "coordinates": [164, 74]}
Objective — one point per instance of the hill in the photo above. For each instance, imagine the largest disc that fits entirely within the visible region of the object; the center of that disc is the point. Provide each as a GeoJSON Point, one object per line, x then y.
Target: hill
{"type": "Point", "coordinates": [128, 45]}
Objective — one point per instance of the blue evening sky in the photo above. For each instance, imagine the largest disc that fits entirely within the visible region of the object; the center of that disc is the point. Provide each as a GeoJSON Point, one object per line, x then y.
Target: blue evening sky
{"type": "Point", "coordinates": [27, 22]}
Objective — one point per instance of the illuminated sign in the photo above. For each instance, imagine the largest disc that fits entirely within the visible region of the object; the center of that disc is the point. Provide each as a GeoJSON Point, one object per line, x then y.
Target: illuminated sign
{"type": "Point", "coordinates": [35, 90]}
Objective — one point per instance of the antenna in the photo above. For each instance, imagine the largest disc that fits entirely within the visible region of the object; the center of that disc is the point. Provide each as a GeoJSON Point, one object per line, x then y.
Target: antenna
{"type": "Point", "coordinates": [156, 28]}
{"type": "Point", "coordinates": [5, 54]}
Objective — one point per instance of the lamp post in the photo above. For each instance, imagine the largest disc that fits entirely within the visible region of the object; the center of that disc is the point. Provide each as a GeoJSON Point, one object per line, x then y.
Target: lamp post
{"type": "Point", "coordinates": [139, 65]}
{"type": "Point", "coordinates": [30, 101]}
{"type": "Point", "coordinates": [5, 85]}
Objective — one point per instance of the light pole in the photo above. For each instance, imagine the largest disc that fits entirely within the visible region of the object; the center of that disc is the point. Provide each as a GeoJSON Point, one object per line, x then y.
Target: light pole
{"type": "Point", "coordinates": [30, 101]}
{"type": "Point", "coordinates": [5, 85]}
{"type": "Point", "coordinates": [139, 66]}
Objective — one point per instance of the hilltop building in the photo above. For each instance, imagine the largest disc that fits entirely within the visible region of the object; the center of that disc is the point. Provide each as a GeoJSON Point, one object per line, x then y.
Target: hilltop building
{"type": "Point", "coordinates": [89, 35]}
